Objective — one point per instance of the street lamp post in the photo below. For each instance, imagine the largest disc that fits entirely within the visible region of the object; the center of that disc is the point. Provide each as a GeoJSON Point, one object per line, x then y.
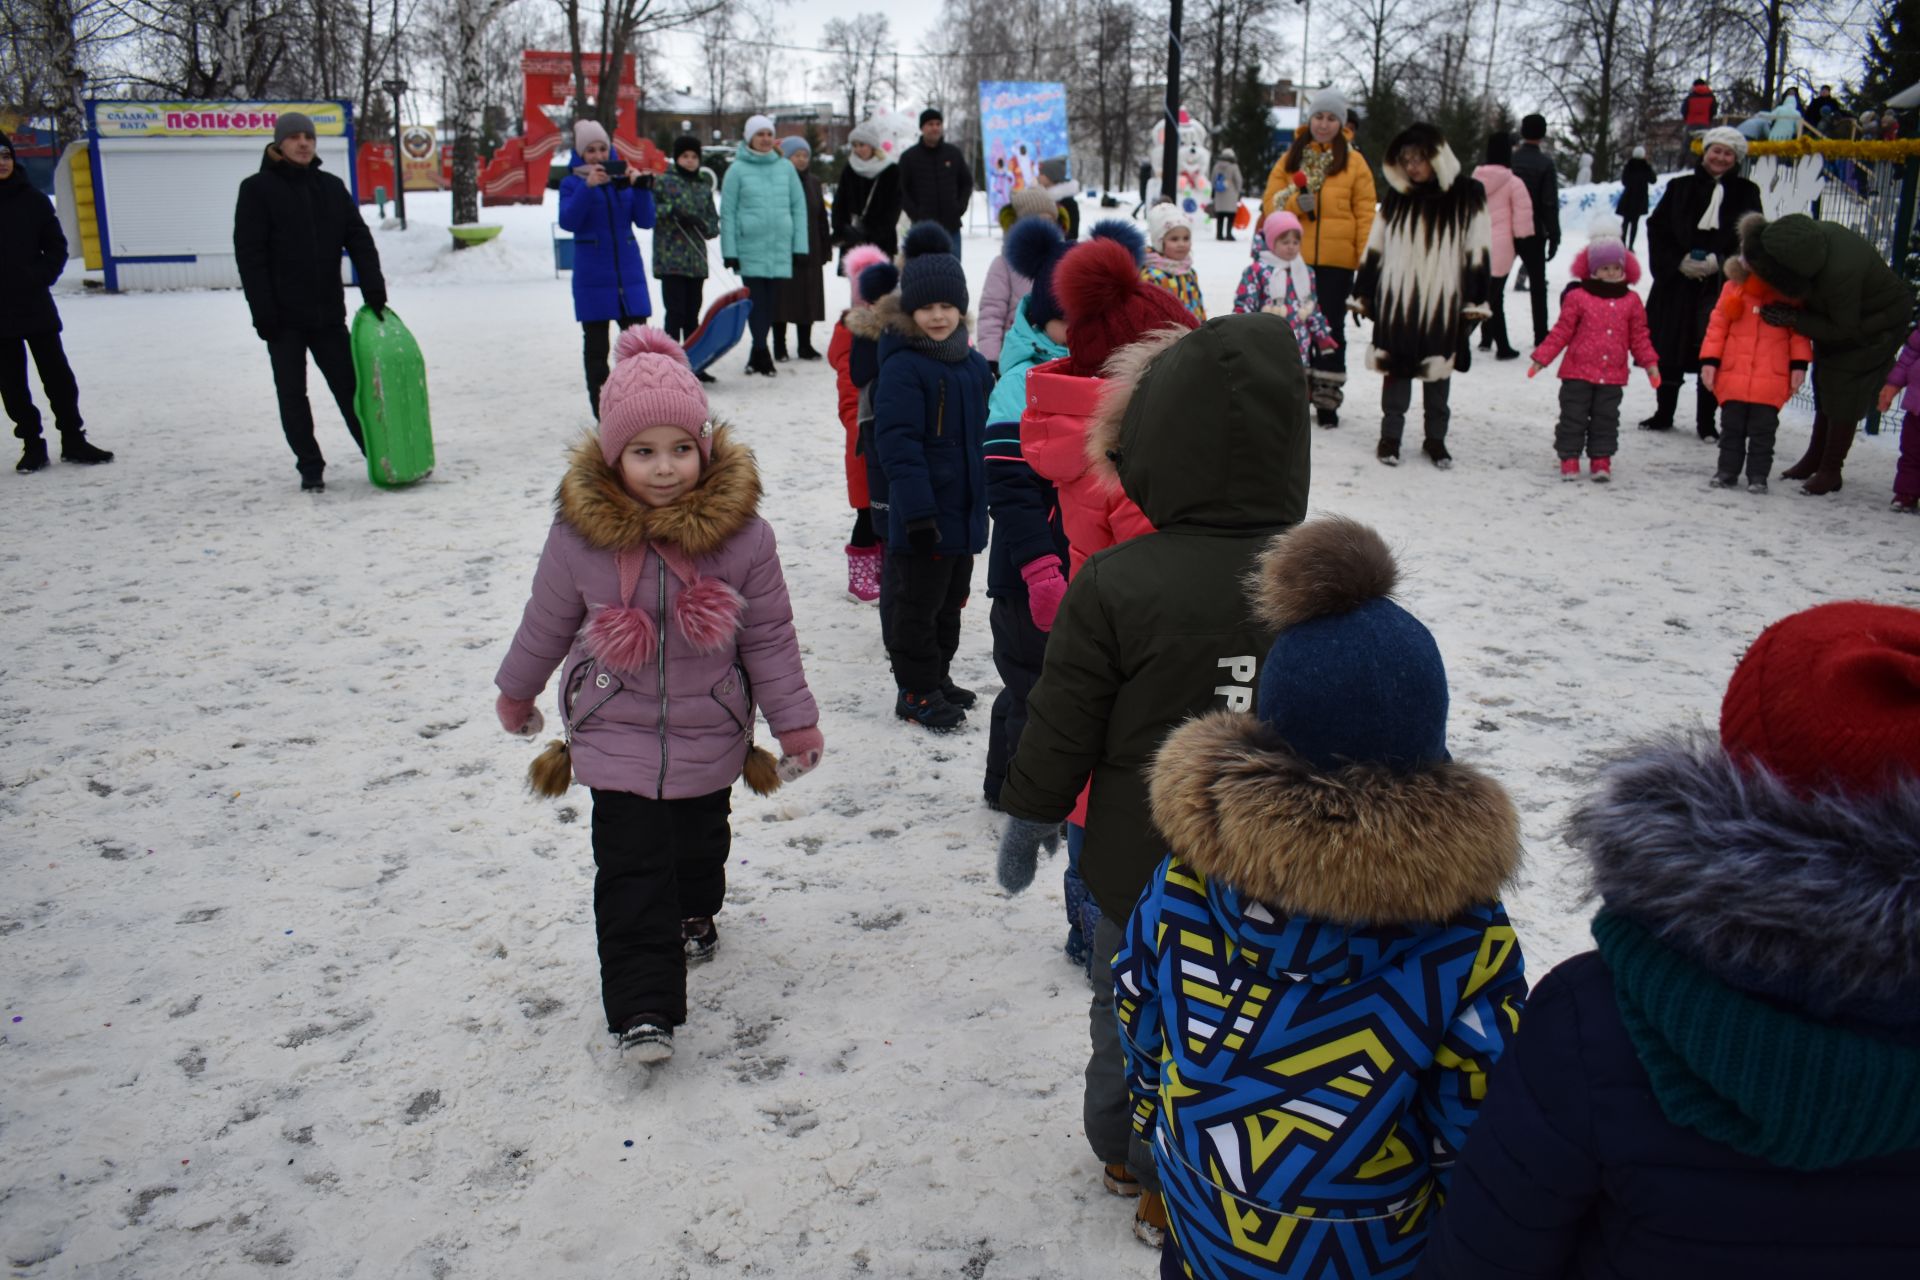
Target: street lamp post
{"type": "Point", "coordinates": [396, 87]}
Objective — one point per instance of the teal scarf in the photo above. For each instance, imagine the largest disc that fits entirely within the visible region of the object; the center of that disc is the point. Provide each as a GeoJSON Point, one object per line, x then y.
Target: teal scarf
{"type": "Point", "coordinates": [1794, 1092]}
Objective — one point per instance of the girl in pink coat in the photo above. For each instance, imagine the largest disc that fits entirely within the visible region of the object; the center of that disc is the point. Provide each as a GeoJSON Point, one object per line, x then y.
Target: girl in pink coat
{"type": "Point", "coordinates": [660, 598]}
{"type": "Point", "coordinates": [1602, 326]}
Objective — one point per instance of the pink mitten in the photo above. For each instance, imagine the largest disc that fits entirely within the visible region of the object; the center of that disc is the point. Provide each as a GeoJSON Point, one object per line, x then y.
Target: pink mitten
{"type": "Point", "coordinates": [519, 715]}
{"type": "Point", "coordinates": [800, 751]}
{"type": "Point", "coordinates": [1046, 587]}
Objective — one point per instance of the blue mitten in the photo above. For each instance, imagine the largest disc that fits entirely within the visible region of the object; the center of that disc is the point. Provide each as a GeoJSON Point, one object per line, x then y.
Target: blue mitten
{"type": "Point", "coordinates": [1020, 846]}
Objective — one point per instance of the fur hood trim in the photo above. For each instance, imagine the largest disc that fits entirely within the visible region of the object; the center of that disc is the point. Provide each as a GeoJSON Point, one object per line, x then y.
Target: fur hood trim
{"type": "Point", "coordinates": [598, 506]}
{"type": "Point", "coordinates": [1124, 371]}
{"type": "Point", "coordinates": [1763, 886]}
{"type": "Point", "coordinates": [1360, 845]}
{"type": "Point", "coordinates": [1446, 165]}
{"type": "Point", "coordinates": [871, 321]}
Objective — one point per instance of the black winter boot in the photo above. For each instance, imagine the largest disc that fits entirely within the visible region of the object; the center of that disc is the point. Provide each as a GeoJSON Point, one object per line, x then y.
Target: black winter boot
{"type": "Point", "coordinates": [33, 455]}
{"type": "Point", "coordinates": [74, 447]}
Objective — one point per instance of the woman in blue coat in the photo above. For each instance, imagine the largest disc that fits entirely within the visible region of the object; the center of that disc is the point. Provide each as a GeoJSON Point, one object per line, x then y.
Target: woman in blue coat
{"type": "Point", "coordinates": [609, 279]}
{"type": "Point", "coordinates": [763, 228]}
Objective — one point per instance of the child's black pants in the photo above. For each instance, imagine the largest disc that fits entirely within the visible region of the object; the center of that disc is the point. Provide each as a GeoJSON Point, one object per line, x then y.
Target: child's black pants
{"type": "Point", "coordinates": [930, 592]}
{"type": "Point", "coordinates": [660, 862]}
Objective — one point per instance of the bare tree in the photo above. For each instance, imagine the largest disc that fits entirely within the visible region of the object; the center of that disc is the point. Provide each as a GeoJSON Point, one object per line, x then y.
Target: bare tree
{"type": "Point", "coordinates": [1377, 39]}
{"type": "Point", "coordinates": [624, 27]}
{"type": "Point", "coordinates": [854, 62]}
{"type": "Point", "coordinates": [46, 50]}
{"type": "Point", "coordinates": [759, 52]}
{"type": "Point", "coordinates": [1224, 35]}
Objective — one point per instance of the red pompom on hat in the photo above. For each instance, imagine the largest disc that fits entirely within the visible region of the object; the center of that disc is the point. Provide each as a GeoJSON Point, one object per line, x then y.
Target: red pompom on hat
{"type": "Point", "coordinates": [1829, 700]}
{"type": "Point", "coordinates": [651, 386]}
{"type": "Point", "coordinates": [1108, 305]}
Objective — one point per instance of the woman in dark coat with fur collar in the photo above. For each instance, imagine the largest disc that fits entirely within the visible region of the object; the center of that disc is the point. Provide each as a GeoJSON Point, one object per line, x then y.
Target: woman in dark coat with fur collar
{"type": "Point", "coordinates": [1691, 234]}
{"type": "Point", "coordinates": [1730, 1084]}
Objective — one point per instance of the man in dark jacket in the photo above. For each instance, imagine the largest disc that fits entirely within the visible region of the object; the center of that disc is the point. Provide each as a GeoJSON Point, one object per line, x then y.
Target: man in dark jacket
{"type": "Point", "coordinates": [1532, 166]}
{"type": "Point", "coordinates": [935, 183]}
{"type": "Point", "coordinates": [1207, 433]}
{"type": "Point", "coordinates": [289, 229]}
{"type": "Point", "coordinates": [33, 253]}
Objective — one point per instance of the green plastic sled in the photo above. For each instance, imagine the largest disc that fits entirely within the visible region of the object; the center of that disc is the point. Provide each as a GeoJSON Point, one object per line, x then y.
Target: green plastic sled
{"type": "Point", "coordinates": [390, 396]}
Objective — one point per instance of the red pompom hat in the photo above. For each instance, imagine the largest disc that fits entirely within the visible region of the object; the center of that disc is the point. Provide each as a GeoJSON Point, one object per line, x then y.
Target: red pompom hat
{"type": "Point", "coordinates": [1108, 305]}
{"type": "Point", "coordinates": [1829, 700]}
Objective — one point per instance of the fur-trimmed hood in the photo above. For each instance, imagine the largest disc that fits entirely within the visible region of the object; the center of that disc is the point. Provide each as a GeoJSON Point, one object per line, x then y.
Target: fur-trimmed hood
{"type": "Point", "coordinates": [1788, 252]}
{"type": "Point", "coordinates": [1446, 165]}
{"type": "Point", "coordinates": [870, 322]}
{"type": "Point", "coordinates": [1360, 845]}
{"type": "Point", "coordinates": [1813, 902]}
{"type": "Point", "coordinates": [592, 500]}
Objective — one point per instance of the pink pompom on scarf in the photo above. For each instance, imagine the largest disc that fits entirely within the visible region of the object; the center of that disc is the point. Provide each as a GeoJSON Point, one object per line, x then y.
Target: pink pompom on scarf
{"type": "Point", "coordinates": [623, 637]}
{"type": "Point", "coordinates": [708, 614]}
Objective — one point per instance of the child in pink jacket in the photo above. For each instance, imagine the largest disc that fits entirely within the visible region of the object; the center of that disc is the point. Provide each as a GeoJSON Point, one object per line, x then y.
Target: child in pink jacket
{"type": "Point", "coordinates": [1903, 385]}
{"type": "Point", "coordinates": [1602, 327]}
{"type": "Point", "coordinates": [660, 598]}
{"type": "Point", "coordinates": [1107, 306]}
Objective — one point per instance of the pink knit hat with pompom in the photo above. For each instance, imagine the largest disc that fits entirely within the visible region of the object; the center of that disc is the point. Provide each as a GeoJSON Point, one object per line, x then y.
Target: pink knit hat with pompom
{"type": "Point", "coordinates": [1278, 223]}
{"type": "Point", "coordinates": [651, 386]}
{"type": "Point", "coordinates": [858, 259]}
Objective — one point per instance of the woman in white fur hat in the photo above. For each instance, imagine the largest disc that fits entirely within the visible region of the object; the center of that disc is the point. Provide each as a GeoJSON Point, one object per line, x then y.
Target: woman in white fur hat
{"type": "Point", "coordinates": [1691, 234]}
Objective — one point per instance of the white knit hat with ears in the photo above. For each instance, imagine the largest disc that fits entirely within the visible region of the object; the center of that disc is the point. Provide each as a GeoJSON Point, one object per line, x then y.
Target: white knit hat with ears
{"type": "Point", "coordinates": [1162, 218]}
{"type": "Point", "coordinates": [754, 125]}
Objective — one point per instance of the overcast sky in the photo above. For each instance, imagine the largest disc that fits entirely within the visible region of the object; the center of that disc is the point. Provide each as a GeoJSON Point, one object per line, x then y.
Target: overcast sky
{"type": "Point", "coordinates": [1830, 40]}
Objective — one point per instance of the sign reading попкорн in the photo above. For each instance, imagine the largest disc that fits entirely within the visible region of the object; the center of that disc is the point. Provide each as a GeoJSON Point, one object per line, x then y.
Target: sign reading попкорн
{"type": "Point", "coordinates": [211, 119]}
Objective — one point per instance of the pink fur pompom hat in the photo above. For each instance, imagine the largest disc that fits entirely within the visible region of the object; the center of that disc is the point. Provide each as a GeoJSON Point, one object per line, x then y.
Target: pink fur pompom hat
{"type": "Point", "coordinates": [651, 386]}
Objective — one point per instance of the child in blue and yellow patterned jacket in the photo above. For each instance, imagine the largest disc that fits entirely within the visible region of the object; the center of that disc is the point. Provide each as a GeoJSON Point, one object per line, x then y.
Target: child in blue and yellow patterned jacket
{"type": "Point", "coordinates": [1319, 976]}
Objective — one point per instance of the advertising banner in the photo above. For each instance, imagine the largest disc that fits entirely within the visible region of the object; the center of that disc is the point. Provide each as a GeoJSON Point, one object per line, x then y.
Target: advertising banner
{"type": "Point", "coordinates": [211, 119]}
{"type": "Point", "coordinates": [1022, 122]}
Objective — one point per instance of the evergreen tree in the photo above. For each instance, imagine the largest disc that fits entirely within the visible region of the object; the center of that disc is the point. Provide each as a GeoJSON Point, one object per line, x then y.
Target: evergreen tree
{"type": "Point", "coordinates": [1248, 131]}
{"type": "Point", "coordinates": [1892, 61]}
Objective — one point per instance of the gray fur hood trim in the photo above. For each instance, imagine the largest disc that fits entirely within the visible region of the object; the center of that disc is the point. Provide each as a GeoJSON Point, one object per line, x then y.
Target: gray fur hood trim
{"type": "Point", "coordinates": [1816, 901]}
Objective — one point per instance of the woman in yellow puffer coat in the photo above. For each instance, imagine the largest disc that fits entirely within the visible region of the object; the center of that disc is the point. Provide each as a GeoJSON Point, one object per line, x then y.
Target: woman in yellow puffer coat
{"type": "Point", "coordinates": [1325, 182]}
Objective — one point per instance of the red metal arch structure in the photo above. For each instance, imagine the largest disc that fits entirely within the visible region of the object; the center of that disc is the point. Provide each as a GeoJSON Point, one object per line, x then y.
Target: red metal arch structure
{"type": "Point", "coordinates": [517, 174]}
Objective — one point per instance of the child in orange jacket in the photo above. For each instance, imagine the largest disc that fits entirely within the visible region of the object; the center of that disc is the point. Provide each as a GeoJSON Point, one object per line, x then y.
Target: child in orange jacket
{"type": "Point", "coordinates": [863, 547]}
{"type": "Point", "coordinates": [1752, 368]}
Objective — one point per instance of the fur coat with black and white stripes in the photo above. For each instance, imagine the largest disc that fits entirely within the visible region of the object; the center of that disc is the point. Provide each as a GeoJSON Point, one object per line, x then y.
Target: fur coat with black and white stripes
{"type": "Point", "coordinates": [1426, 278]}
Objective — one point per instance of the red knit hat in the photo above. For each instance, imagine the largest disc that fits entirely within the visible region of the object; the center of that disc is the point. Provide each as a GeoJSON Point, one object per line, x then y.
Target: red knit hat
{"type": "Point", "coordinates": [1108, 305]}
{"type": "Point", "coordinates": [1829, 699]}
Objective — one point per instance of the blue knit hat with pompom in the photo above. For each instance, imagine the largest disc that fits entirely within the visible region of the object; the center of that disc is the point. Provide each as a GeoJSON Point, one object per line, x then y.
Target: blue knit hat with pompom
{"type": "Point", "coordinates": [932, 273]}
{"type": "Point", "coordinates": [1352, 678]}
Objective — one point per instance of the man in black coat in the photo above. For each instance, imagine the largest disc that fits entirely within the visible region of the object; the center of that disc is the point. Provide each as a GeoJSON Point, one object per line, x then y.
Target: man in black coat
{"type": "Point", "coordinates": [935, 183]}
{"type": "Point", "coordinates": [289, 229]}
{"type": "Point", "coordinates": [33, 253]}
{"type": "Point", "coordinates": [1531, 166]}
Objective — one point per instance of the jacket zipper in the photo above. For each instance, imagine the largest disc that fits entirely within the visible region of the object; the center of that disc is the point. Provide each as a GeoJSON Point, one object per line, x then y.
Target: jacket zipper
{"type": "Point", "coordinates": [940, 415]}
{"type": "Point", "coordinates": [613, 239]}
{"type": "Point", "coordinates": [660, 791]}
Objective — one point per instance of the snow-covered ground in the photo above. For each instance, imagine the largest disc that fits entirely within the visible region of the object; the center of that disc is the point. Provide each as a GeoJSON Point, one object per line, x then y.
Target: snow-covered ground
{"type": "Point", "coordinates": [297, 976]}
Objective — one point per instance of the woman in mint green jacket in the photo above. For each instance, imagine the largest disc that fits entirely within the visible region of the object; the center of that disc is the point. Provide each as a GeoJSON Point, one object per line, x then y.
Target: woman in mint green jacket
{"type": "Point", "coordinates": [763, 227]}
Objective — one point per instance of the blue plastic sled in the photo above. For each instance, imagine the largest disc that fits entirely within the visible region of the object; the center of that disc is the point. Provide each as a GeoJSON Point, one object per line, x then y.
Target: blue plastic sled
{"type": "Point", "coordinates": [720, 331]}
